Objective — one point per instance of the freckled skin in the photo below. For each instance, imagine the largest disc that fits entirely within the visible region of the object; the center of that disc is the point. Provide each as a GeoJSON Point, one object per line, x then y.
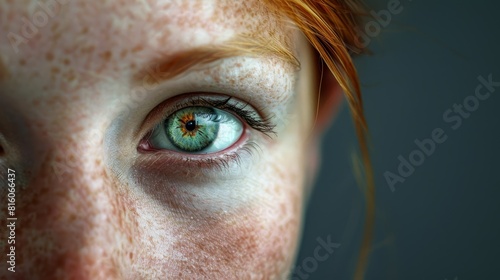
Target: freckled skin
{"type": "Point", "coordinates": [83, 214]}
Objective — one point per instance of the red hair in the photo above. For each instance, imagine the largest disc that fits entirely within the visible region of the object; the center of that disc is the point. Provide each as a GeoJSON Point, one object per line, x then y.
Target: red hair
{"type": "Point", "coordinates": [331, 27]}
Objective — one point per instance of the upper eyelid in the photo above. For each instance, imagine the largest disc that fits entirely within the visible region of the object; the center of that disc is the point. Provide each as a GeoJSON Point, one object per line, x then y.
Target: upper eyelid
{"type": "Point", "coordinates": [255, 75]}
{"type": "Point", "coordinates": [260, 87]}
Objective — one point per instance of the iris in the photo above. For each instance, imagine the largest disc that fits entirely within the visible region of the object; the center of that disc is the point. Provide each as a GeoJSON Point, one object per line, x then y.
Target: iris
{"type": "Point", "coordinates": [193, 129]}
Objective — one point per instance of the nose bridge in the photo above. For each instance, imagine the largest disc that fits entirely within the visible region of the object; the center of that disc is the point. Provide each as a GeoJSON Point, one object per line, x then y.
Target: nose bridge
{"type": "Point", "coordinates": [73, 225]}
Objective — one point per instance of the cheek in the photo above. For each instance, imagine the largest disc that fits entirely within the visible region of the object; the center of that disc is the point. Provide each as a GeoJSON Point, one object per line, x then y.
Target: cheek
{"type": "Point", "coordinates": [84, 223]}
{"type": "Point", "coordinates": [72, 221]}
{"type": "Point", "coordinates": [258, 239]}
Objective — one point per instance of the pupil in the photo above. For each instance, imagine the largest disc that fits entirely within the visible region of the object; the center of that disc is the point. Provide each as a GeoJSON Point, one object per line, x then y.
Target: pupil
{"type": "Point", "coordinates": [190, 125]}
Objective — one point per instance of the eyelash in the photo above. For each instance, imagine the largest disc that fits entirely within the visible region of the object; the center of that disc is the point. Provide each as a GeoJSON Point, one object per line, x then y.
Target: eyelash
{"type": "Point", "coordinates": [221, 160]}
{"type": "Point", "coordinates": [263, 125]}
{"type": "Point", "coordinates": [220, 163]}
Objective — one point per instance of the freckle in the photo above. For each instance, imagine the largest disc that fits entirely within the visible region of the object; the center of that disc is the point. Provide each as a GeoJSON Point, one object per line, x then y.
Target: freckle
{"type": "Point", "coordinates": [88, 49]}
{"type": "Point", "coordinates": [137, 48]}
{"type": "Point", "coordinates": [54, 27]}
{"type": "Point", "coordinates": [85, 30]}
{"type": "Point", "coordinates": [49, 56]}
{"type": "Point", "coordinates": [106, 55]}
{"type": "Point", "coordinates": [22, 62]}
{"type": "Point", "coordinates": [55, 70]}
{"type": "Point", "coordinates": [123, 53]}
{"type": "Point", "coordinates": [56, 36]}
{"type": "Point", "coordinates": [70, 76]}
{"type": "Point", "coordinates": [66, 61]}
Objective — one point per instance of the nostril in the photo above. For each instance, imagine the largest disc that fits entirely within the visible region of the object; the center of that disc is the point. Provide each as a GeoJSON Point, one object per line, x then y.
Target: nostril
{"type": "Point", "coordinates": [2, 151]}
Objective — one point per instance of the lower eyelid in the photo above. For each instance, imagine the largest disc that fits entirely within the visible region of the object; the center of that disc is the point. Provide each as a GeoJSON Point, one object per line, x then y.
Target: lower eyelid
{"type": "Point", "coordinates": [164, 159]}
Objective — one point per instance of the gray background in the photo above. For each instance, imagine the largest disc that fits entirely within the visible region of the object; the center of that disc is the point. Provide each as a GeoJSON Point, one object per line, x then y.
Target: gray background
{"type": "Point", "coordinates": [443, 221]}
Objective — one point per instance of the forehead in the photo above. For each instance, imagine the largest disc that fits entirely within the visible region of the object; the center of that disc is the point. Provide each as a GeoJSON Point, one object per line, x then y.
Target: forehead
{"type": "Point", "coordinates": [118, 17]}
{"type": "Point", "coordinates": [66, 42]}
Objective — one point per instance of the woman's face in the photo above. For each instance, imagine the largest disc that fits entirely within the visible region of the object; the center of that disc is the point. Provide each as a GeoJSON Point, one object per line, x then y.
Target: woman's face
{"type": "Point", "coordinates": [124, 171]}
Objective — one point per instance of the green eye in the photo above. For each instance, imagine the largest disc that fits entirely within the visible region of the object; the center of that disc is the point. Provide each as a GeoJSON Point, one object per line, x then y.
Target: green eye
{"type": "Point", "coordinates": [197, 130]}
{"type": "Point", "coordinates": [192, 129]}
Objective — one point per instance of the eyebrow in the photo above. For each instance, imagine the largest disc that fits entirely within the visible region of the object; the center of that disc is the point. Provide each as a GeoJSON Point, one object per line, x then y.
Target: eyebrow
{"type": "Point", "coordinates": [255, 46]}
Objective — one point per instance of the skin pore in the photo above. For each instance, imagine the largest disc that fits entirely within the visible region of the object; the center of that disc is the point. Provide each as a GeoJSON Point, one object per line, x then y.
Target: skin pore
{"type": "Point", "coordinates": [73, 115]}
